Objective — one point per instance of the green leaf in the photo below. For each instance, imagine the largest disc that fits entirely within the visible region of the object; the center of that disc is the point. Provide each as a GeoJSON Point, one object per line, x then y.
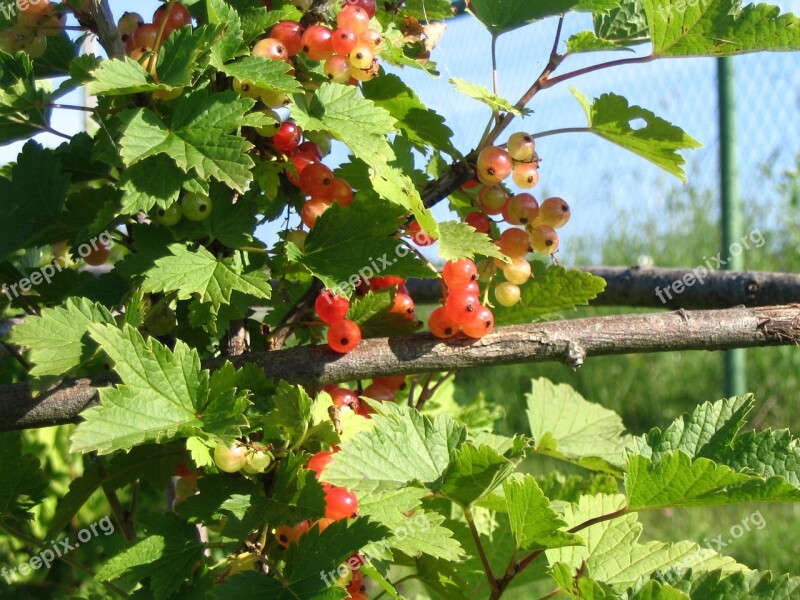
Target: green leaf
{"type": "Point", "coordinates": [32, 201]}
{"type": "Point", "coordinates": [552, 290]}
{"type": "Point", "coordinates": [339, 110]}
{"type": "Point", "coordinates": [159, 395]}
{"type": "Point", "coordinates": [752, 585]}
{"type": "Point", "coordinates": [625, 24]}
{"type": "Point", "coordinates": [22, 482]}
{"type": "Point", "coordinates": [291, 413]}
{"type": "Point", "coordinates": [579, 584]}
{"type": "Point", "coordinates": [21, 99]}
{"type": "Point", "coordinates": [481, 94]}
{"type": "Point", "coordinates": [357, 241]}
{"type": "Point", "coordinates": [263, 73]}
{"type": "Point", "coordinates": [198, 139]}
{"type": "Point", "coordinates": [295, 494]}
{"type": "Point", "coordinates": [119, 77]}
{"type": "Point", "coordinates": [421, 533]}
{"type": "Point", "coordinates": [394, 185]}
{"type": "Point", "coordinates": [166, 557]}
{"type": "Point", "coordinates": [423, 126]}
{"type": "Point", "coordinates": [459, 240]}
{"type": "Point", "coordinates": [766, 453]}
{"type": "Point", "coordinates": [613, 553]}
{"type": "Point", "coordinates": [588, 41]}
{"type": "Point", "coordinates": [404, 446]}
{"type": "Point", "coordinates": [58, 338]}
{"type": "Point", "coordinates": [535, 524]}
{"type": "Point", "coordinates": [500, 16]}
{"type": "Point", "coordinates": [474, 472]}
{"type": "Point", "coordinates": [371, 312]}
{"type": "Point", "coordinates": [197, 271]}
{"type": "Point", "coordinates": [566, 426]}
{"type": "Point", "coordinates": [677, 480]}
{"type": "Point", "coordinates": [156, 180]}
{"type": "Point", "coordinates": [611, 118]}
{"type": "Point", "coordinates": [719, 28]}
{"type": "Point", "coordinates": [707, 433]}
{"type": "Point", "coordinates": [231, 224]}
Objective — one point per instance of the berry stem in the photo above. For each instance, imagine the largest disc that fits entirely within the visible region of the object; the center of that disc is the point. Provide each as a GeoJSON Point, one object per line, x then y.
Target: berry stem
{"type": "Point", "coordinates": [638, 60]}
{"type": "Point", "coordinates": [151, 63]}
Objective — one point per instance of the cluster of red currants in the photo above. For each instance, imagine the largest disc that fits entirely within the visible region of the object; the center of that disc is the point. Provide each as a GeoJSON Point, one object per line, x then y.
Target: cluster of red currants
{"type": "Point", "coordinates": [495, 164]}
{"type": "Point", "coordinates": [142, 38]}
{"type": "Point", "coordinates": [343, 334]}
{"type": "Point", "coordinates": [462, 310]}
{"type": "Point", "coordinates": [382, 389]}
{"type": "Point", "coordinates": [34, 24]}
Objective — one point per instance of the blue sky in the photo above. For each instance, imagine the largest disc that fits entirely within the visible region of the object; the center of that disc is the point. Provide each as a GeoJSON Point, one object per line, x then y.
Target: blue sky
{"type": "Point", "coordinates": [600, 181]}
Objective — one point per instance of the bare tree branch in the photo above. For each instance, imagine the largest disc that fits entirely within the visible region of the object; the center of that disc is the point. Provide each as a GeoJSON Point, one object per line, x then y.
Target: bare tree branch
{"type": "Point", "coordinates": [107, 30]}
{"type": "Point", "coordinates": [634, 286]}
{"type": "Point", "coordinates": [570, 342]}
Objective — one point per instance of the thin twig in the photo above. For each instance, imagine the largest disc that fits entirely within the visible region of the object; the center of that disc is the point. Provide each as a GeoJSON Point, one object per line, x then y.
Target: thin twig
{"type": "Point", "coordinates": [549, 132]}
{"type": "Point", "coordinates": [487, 568]}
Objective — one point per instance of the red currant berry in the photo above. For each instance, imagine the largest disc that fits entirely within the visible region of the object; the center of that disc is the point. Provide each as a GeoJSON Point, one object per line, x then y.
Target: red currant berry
{"type": "Point", "coordinates": [368, 5]}
{"type": "Point", "coordinates": [343, 41]}
{"type": "Point", "coordinates": [467, 288]}
{"type": "Point", "coordinates": [403, 305]}
{"type": "Point", "coordinates": [518, 272]}
{"type": "Point", "coordinates": [319, 461]}
{"type": "Point", "coordinates": [494, 165]}
{"type": "Point", "coordinates": [288, 137]}
{"type": "Point", "coordinates": [514, 243]}
{"type": "Point", "coordinates": [419, 237]}
{"type": "Point", "coordinates": [178, 17]}
{"type": "Point", "coordinates": [492, 199]}
{"type": "Point", "coordinates": [312, 210]}
{"type": "Point", "coordinates": [482, 324]}
{"type": "Point", "coordinates": [270, 48]}
{"type": "Point", "coordinates": [331, 307]}
{"type": "Point", "coordinates": [459, 272]}
{"type": "Point", "coordinates": [553, 212]}
{"type": "Point", "coordinates": [479, 221]}
{"type": "Point", "coordinates": [343, 336]}
{"type": "Point", "coordinates": [507, 294]}
{"type": "Point", "coordinates": [525, 175]}
{"type": "Point", "coordinates": [521, 147]}
{"type": "Point", "coordinates": [344, 397]}
{"type": "Point", "coordinates": [340, 503]}
{"type": "Point", "coordinates": [441, 325]}
{"type": "Point", "coordinates": [312, 148]}
{"type": "Point", "coordinates": [300, 160]}
{"type": "Point", "coordinates": [373, 40]}
{"type": "Point", "coordinates": [290, 34]}
{"type": "Point", "coordinates": [342, 192]}
{"type": "Point", "coordinates": [392, 382]}
{"type": "Point", "coordinates": [521, 209]}
{"type": "Point", "coordinates": [291, 535]}
{"type": "Point", "coordinates": [544, 239]}
{"type": "Point", "coordinates": [461, 306]}
{"type": "Point", "coordinates": [378, 392]}
{"type": "Point", "coordinates": [317, 42]}
{"type": "Point", "coordinates": [337, 68]}
{"type": "Point", "coordinates": [387, 281]}
{"type": "Point", "coordinates": [354, 18]}
{"type": "Point", "coordinates": [317, 180]}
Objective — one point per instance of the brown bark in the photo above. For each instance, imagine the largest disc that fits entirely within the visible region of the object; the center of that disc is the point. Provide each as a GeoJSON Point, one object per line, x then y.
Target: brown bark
{"type": "Point", "coordinates": [570, 342]}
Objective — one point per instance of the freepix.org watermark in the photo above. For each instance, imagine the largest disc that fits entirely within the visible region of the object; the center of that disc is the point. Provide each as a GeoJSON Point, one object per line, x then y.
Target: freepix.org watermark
{"type": "Point", "coordinates": [698, 274]}
{"type": "Point", "coordinates": [10, 9]}
{"type": "Point", "coordinates": [680, 7]}
{"type": "Point", "coordinates": [374, 550]}
{"type": "Point", "coordinates": [58, 264]}
{"type": "Point", "coordinates": [715, 544]}
{"type": "Point", "coordinates": [46, 557]}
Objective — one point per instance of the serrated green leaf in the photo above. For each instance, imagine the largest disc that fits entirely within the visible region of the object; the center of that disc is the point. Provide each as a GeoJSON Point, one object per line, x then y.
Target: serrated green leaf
{"type": "Point", "coordinates": [766, 453]}
{"type": "Point", "coordinates": [625, 24]}
{"type": "Point", "coordinates": [474, 472]}
{"type": "Point", "coordinates": [263, 73]}
{"type": "Point", "coordinates": [189, 272]}
{"type": "Point", "coordinates": [156, 180]}
{"type": "Point", "coordinates": [753, 585]}
{"type": "Point", "coordinates": [198, 138]}
{"type": "Point", "coordinates": [58, 338]}
{"type": "Point", "coordinates": [22, 483]}
{"type": "Point", "coordinates": [357, 241]}
{"type": "Point", "coordinates": [658, 141]}
{"type": "Point", "coordinates": [552, 289]}
{"type": "Point", "coordinates": [423, 127]}
{"type": "Point", "coordinates": [719, 28]}
{"type": "Point", "coordinates": [707, 433]}
{"type": "Point", "coordinates": [119, 77]}
{"type": "Point", "coordinates": [403, 447]}
{"type": "Point", "coordinates": [339, 110]}
{"type": "Point", "coordinates": [588, 41]}
{"type": "Point", "coordinates": [481, 94]}
{"type": "Point", "coordinates": [579, 585]}
{"type": "Point", "coordinates": [677, 480]}
{"type": "Point", "coordinates": [614, 555]}
{"type": "Point", "coordinates": [160, 393]}
{"type": "Point", "coordinates": [535, 524]}
{"type": "Point", "coordinates": [460, 240]}
{"type": "Point", "coordinates": [371, 312]}
{"type": "Point", "coordinates": [394, 185]}
{"type": "Point", "coordinates": [500, 16]}
{"type": "Point", "coordinates": [166, 557]}
{"type": "Point", "coordinates": [566, 426]}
